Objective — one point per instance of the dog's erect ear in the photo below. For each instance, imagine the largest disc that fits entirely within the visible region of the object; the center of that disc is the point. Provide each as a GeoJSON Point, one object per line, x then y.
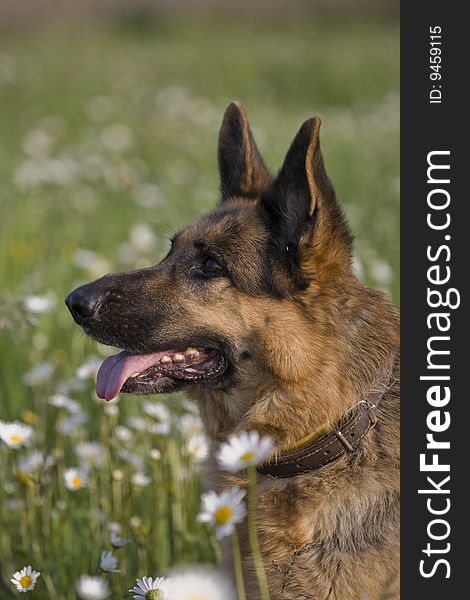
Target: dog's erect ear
{"type": "Point", "coordinates": [242, 170]}
{"type": "Point", "coordinates": [302, 202]}
{"type": "Point", "coordinates": [300, 182]}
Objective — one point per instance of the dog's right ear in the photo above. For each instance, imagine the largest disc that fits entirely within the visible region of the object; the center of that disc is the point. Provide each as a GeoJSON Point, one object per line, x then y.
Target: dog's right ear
{"type": "Point", "coordinates": [242, 170]}
{"type": "Point", "coordinates": [309, 229]}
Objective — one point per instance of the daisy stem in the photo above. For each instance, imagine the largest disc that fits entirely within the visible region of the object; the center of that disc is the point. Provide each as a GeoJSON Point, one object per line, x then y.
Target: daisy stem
{"type": "Point", "coordinates": [5, 540]}
{"type": "Point", "coordinates": [177, 512]}
{"type": "Point", "coordinates": [161, 523]}
{"type": "Point", "coordinates": [237, 563]}
{"type": "Point", "coordinates": [94, 508]}
{"type": "Point", "coordinates": [117, 499]}
{"type": "Point", "coordinates": [253, 535]}
{"type": "Point", "coordinates": [50, 586]}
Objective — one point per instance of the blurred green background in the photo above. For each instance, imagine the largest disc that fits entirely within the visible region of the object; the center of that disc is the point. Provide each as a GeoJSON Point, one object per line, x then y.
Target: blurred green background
{"type": "Point", "coordinates": [108, 144]}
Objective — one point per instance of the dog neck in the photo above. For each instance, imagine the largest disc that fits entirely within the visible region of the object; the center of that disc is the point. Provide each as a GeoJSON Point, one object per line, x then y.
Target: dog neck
{"type": "Point", "coordinates": [319, 449]}
{"type": "Point", "coordinates": [274, 411]}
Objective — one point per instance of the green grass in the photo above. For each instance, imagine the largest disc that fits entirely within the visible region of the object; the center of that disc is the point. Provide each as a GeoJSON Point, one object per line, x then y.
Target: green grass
{"type": "Point", "coordinates": [108, 126]}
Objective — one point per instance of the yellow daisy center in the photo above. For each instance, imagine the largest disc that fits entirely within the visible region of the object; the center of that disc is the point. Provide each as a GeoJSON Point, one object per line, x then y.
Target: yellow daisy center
{"type": "Point", "coordinates": [248, 457]}
{"type": "Point", "coordinates": [76, 482]}
{"type": "Point", "coordinates": [154, 595]}
{"type": "Point", "coordinates": [16, 438]}
{"type": "Point", "coordinates": [223, 515]}
{"type": "Point", "coordinates": [25, 581]}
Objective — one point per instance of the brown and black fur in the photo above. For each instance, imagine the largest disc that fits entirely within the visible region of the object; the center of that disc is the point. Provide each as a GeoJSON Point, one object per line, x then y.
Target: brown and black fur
{"type": "Point", "coordinates": [303, 341]}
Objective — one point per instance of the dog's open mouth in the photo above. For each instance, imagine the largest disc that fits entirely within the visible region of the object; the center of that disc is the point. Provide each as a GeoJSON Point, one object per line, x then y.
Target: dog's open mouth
{"type": "Point", "coordinates": [157, 372]}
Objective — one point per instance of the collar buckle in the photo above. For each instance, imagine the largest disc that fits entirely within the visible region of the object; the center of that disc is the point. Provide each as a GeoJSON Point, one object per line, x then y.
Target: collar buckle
{"type": "Point", "coordinates": [369, 407]}
{"type": "Point", "coordinates": [371, 410]}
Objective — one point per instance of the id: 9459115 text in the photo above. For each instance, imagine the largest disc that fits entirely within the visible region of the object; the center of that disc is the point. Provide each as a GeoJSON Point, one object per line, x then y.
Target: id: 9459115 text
{"type": "Point", "coordinates": [435, 64]}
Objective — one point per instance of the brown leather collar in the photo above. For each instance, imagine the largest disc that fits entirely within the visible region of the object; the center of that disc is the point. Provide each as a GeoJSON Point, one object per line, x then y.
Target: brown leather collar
{"type": "Point", "coordinates": [360, 420]}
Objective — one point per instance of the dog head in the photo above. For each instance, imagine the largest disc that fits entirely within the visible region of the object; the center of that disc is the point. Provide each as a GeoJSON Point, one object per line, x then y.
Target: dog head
{"type": "Point", "coordinates": [221, 310]}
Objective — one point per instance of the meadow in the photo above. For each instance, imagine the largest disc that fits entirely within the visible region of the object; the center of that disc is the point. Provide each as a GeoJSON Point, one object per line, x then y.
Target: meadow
{"type": "Point", "coordinates": [107, 146]}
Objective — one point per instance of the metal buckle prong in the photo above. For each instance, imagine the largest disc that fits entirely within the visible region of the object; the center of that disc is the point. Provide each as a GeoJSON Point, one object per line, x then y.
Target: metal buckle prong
{"type": "Point", "coordinates": [344, 441]}
{"type": "Point", "coordinates": [371, 411]}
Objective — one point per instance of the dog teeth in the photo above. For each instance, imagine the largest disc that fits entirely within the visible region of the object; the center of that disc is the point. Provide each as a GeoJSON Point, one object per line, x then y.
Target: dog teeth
{"type": "Point", "coordinates": [178, 357]}
{"type": "Point", "coordinates": [165, 359]}
{"type": "Point", "coordinates": [191, 352]}
{"type": "Point", "coordinates": [134, 375]}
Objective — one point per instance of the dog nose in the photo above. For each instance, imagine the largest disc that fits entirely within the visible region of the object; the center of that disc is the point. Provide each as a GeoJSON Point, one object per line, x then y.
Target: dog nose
{"type": "Point", "coordinates": [82, 304]}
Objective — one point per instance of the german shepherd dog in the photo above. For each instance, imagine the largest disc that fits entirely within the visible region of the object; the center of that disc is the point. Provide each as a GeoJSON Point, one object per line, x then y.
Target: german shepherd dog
{"type": "Point", "coordinates": [256, 313]}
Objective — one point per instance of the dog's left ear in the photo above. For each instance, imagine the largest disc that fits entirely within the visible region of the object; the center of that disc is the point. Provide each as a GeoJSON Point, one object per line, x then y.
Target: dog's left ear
{"type": "Point", "coordinates": [242, 170]}
{"type": "Point", "coordinates": [302, 203]}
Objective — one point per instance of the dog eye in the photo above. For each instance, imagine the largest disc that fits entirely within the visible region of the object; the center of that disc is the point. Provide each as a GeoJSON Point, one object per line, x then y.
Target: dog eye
{"type": "Point", "coordinates": [211, 267]}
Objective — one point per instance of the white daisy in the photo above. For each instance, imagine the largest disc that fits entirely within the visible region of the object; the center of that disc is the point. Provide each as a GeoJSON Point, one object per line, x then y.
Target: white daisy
{"type": "Point", "coordinates": [72, 384]}
{"type": "Point", "coordinates": [159, 588]}
{"type": "Point", "coordinates": [114, 526]}
{"type": "Point", "coordinates": [63, 401]}
{"type": "Point", "coordinates": [156, 410]}
{"type": "Point", "coordinates": [123, 434]}
{"type": "Point", "coordinates": [91, 454]}
{"type": "Point", "coordinates": [162, 428]}
{"type": "Point", "coordinates": [140, 479]}
{"type": "Point", "coordinates": [33, 461]}
{"type": "Point", "coordinates": [75, 479]}
{"type": "Point", "coordinates": [89, 369]}
{"type": "Point", "coordinates": [116, 541]}
{"type": "Point", "coordinates": [244, 450]}
{"type": "Point", "coordinates": [118, 474]}
{"type": "Point", "coordinates": [40, 373]}
{"type": "Point", "coordinates": [155, 454]}
{"type": "Point", "coordinates": [190, 424]}
{"type": "Point", "coordinates": [197, 448]}
{"type": "Point", "coordinates": [70, 425]}
{"type": "Point", "coordinates": [39, 305]}
{"type": "Point", "coordinates": [109, 563]}
{"type": "Point", "coordinates": [15, 434]}
{"type": "Point", "coordinates": [135, 522]}
{"type": "Point", "coordinates": [136, 461]}
{"type": "Point", "coordinates": [92, 262]}
{"type": "Point", "coordinates": [223, 510]}
{"type": "Point", "coordinates": [381, 271]}
{"type": "Point", "coordinates": [137, 423]}
{"type": "Point", "coordinates": [111, 410]}
{"type": "Point", "coordinates": [92, 588]}
{"type": "Point", "coordinates": [142, 238]}
{"type": "Point", "coordinates": [117, 137]}
{"type": "Point", "coordinates": [25, 580]}
{"type": "Point", "coordinates": [201, 584]}
{"type": "Point", "coordinates": [37, 143]}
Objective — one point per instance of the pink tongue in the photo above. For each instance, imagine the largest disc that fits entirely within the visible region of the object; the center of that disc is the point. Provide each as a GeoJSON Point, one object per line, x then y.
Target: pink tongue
{"type": "Point", "coordinates": [117, 369]}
